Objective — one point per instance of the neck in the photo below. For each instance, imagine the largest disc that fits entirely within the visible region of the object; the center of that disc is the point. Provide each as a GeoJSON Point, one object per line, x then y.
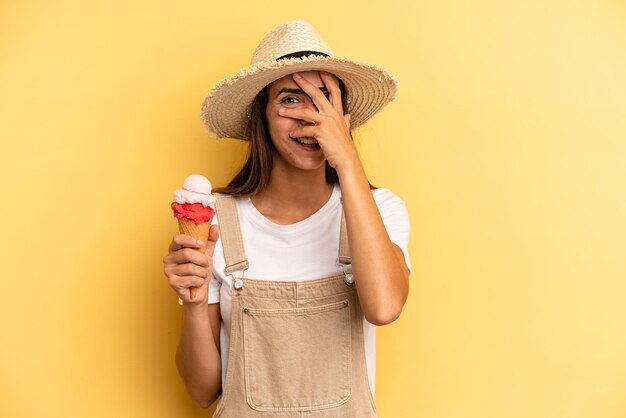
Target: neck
{"type": "Point", "coordinates": [293, 195]}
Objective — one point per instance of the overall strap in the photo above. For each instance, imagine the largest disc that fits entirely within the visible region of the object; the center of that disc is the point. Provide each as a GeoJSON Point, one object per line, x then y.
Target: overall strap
{"type": "Point", "coordinates": [344, 248]}
{"type": "Point", "coordinates": [230, 232]}
{"type": "Point", "coordinates": [232, 241]}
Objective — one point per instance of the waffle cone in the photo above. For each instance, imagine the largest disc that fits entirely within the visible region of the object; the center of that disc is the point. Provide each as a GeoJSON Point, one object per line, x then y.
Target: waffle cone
{"type": "Point", "coordinates": [198, 231]}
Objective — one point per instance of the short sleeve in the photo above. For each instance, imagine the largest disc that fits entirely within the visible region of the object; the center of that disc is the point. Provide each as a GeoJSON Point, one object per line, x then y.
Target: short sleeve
{"type": "Point", "coordinates": [214, 290]}
{"type": "Point", "coordinates": [396, 219]}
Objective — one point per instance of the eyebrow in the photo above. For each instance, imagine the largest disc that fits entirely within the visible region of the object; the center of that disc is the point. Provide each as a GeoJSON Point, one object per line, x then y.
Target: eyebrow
{"type": "Point", "coordinates": [297, 91]}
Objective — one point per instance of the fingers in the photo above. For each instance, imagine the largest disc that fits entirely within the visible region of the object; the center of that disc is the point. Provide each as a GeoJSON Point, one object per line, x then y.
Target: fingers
{"type": "Point", "coordinates": [187, 255]}
{"type": "Point", "coordinates": [214, 233]}
{"type": "Point", "coordinates": [184, 257]}
{"type": "Point", "coordinates": [305, 131]}
{"type": "Point", "coordinates": [183, 284]}
{"type": "Point", "coordinates": [183, 276]}
{"type": "Point", "coordinates": [184, 241]}
{"type": "Point", "coordinates": [180, 270]}
{"type": "Point", "coordinates": [313, 131]}
{"type": "Point", "coordinates": [332, 85]}
{"type": "Point", "coordinates": [306, 115]}
{"type": "Point", "coordinates": [188, 265]}
{"type": "Point", "coordinates": [189, 270]}
{"type": "Point", "coordinates": [321, 102]}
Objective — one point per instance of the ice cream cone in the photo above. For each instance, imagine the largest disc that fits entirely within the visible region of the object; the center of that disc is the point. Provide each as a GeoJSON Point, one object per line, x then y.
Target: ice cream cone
{"type": "Point", "coordinates": [193, 207]}
{"type": "Point", "coordinates": [199, 231]}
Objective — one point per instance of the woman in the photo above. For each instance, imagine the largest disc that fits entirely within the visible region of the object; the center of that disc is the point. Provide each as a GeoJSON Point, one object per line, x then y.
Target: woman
{"type": "Point", "coordinates": [308, 257]}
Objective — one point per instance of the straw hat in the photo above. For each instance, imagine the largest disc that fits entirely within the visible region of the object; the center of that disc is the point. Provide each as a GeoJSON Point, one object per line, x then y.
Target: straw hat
{"type": "Point", "coordinates": [294, 46]}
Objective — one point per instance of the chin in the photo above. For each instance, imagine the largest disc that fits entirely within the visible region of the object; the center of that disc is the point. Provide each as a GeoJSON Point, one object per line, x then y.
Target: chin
{"type": "Point", "coordinates": [311, 166]}
{"type": "Point", "coordinates": [304, 164]}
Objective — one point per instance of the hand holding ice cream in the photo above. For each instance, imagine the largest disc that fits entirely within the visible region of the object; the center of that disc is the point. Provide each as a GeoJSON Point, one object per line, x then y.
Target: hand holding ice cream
{"type": "Point", "coordinates": [193, 206]}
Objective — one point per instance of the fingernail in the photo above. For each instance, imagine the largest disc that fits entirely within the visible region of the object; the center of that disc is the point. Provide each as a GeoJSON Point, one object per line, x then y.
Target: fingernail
{"type": "Point", "coordinates": [200, 243]}
{"type": "Point", "coordinates": [296, 75]}
{"type": "Point", "coordinates": [281, 111]}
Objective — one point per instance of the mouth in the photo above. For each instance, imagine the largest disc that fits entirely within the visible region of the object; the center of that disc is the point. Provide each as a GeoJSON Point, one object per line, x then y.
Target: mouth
{"type": "Point", "coordinates": [307, 143]}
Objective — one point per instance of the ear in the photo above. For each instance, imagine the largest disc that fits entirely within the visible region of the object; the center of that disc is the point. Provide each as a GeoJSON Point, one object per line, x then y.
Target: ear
{"type": "Point", "coordinates": [346, 117]}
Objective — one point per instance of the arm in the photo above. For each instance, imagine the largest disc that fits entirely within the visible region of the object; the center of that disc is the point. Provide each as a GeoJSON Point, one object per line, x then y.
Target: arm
{"type": "Point", "coordinates": [198, 357]}
{"type": "Point", "coordinates": [381, 275]}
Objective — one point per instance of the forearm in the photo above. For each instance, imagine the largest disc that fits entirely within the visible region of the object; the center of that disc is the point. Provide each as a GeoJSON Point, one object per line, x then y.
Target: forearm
{"type": "Point", "coordinates": [381, 276]}
{"type": "Point", "coordinates": [197, 358]}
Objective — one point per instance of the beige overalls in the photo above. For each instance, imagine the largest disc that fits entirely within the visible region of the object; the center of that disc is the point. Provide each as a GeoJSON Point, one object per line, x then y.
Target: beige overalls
{"type": "Point", "coordinates": [296, 348]}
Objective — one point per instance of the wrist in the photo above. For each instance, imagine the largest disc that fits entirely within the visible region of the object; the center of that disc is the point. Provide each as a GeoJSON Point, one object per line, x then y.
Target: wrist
{"type": "Point", "coordinates": [195, 308]}
{"type": "Point", "coordinates": [349, 166]}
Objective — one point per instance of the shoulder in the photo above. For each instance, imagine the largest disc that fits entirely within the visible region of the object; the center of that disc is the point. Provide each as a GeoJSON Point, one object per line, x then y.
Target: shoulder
{"type": "Point", "coordinates": [392, 209]}
{"type": "Point", "coordinates": [390, 206]}
{"type": "Point", "coordinates": [388, 201]}
{"type": "Point", "coordinates": [227, 203]}
{"type": "Point", "coordinates": [384, 195]}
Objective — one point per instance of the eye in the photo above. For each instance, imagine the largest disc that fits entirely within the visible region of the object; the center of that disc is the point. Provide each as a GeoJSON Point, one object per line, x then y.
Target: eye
{"type": "Point", "coordinates": [290, 100]}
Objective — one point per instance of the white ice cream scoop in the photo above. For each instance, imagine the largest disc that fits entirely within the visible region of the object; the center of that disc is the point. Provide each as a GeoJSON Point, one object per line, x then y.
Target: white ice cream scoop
{"type": "Point", "coordinates": [196, 189]}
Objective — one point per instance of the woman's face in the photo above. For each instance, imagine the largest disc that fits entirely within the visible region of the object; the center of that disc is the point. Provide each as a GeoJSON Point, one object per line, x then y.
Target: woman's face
{"type": "Point", "coordinates": [302, 153]}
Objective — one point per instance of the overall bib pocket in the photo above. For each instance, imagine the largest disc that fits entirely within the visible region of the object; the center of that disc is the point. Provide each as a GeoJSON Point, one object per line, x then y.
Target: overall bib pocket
{"type": "Point", "coordinates": [284, 346]}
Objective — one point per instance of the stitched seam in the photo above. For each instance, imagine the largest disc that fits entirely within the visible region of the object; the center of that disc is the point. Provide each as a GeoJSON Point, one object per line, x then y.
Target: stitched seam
{"type": "Point", "coordinates": [299, 311]}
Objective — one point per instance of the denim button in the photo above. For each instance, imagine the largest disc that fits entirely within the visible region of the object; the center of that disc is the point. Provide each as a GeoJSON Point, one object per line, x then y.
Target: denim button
{"type": "Point", "coordinates": [349, 279]}
{"type": "Point", "coordinates": [238, 284]}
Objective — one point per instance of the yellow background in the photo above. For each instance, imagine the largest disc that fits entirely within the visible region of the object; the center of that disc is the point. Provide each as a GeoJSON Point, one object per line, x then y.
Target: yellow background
{"type": "Point", "coordinates": [507, 142]}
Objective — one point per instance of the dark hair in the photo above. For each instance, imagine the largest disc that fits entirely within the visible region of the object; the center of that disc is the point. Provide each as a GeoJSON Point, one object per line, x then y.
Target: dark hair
{"type": "Point", "coordinates": [254, 176]}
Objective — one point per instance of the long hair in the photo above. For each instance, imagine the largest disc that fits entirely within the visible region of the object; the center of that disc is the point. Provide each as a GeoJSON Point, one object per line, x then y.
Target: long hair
{"type": "Point", "coordinates": [254, 176]}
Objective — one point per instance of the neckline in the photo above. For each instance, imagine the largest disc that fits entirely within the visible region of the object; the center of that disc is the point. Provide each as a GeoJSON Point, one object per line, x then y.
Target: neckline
{"type": "Point", "coordinates": [311, 221]}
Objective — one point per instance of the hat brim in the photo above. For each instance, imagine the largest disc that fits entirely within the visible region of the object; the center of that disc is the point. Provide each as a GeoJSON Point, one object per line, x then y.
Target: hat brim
{"type": "Point", "coordinates": [226, 109]}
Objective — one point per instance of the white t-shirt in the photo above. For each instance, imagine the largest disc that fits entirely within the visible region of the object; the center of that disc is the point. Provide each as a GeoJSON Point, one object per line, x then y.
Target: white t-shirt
{"type": "Point", "coordinates": [305, 250]}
